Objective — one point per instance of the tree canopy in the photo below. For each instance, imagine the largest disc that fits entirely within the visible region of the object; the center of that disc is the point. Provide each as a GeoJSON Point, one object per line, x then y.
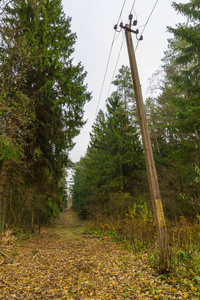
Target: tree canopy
{"type": "Point", "coordinates": [42, 103]}
{"type": "Point", "coordinates": [114, 160]}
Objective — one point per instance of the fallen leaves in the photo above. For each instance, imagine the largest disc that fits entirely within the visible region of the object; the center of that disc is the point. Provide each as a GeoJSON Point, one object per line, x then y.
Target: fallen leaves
{"type": "Point", "coordinates": [64, 264]}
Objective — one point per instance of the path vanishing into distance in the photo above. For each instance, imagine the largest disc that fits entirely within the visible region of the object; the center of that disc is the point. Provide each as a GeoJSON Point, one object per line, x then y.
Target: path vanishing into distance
{"type": "Point", "coordinates": [65, 262]}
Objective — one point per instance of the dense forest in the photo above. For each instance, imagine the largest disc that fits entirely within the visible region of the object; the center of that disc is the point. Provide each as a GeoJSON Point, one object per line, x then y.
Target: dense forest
{"type": "Point", "coordinates": [41, 109]}
{"type": "Point", "coordinates": [42, 97]}
{"type": "Point", "coordinates": [111, 178]}
{"type": "Point", "coordinates": [111, 181]}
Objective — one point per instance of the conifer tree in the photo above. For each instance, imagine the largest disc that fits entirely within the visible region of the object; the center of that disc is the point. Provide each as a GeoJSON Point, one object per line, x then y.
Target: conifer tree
{"type": "Point", "coordinates": [177, 111]}
{"type": "Point", "coordinates": [114, 163]}
{"type": "Point", "coordinates": [185, 65]}
{"type": "Point", "coordinates": [39, 82]}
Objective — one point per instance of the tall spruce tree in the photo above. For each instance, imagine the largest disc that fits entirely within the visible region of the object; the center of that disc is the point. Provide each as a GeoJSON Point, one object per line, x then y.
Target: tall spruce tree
{"type": "Point", "coordinates": [185, 63]}
{"type": "Point", "coordinates": [113, 166]}
{"type": "Point", "coordinates": [38, 77]}
{"type": "Point", "coordinates": [178, 114]}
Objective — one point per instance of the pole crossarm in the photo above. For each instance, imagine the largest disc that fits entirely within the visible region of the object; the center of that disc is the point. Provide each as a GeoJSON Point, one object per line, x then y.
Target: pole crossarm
{"type": "Point", "coordinates": [129, 29]}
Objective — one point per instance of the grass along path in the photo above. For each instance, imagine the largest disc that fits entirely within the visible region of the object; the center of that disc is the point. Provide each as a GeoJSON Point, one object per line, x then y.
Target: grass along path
{"type": "Point", "coordinates": [64, 263]}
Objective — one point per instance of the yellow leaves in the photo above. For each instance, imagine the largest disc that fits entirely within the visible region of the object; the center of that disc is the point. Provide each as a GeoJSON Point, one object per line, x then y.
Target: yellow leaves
{"type": "Point", "coordinates": [83, 268]}
{"type": "Point", "coordinates": [7, 237]}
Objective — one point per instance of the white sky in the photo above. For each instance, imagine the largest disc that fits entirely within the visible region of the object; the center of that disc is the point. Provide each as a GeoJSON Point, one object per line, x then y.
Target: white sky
{"type": "Point", "coordinates": [93, 22]}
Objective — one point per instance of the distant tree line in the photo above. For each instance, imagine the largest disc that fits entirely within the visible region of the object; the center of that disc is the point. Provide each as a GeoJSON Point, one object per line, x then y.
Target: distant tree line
{"type": "Point", "coordinates": [42, 95]}
{"type": "Point", "coordinates": [111, 177]}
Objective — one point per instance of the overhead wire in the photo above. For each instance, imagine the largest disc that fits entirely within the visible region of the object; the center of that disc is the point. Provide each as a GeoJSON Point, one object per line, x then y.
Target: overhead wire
{"type": "Point", "coordinates": [114, 38]}
{"type": "Point", "coordinates": [108, 61]}
{"type": "Point", "coordinates": [132, 8]}
{"type": "Point", "coordinates": [145, 25]}
{"type": "Point", "coordinates": [121, 11]}
{"type": "Point", "coordinates": [116, 64]}
{"type": "Point", "coordinates": [102, 86]}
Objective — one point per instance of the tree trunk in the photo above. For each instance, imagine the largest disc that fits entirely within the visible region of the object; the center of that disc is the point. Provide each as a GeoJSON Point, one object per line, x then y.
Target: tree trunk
{"type": "Point", "coordinates": [3, 177]}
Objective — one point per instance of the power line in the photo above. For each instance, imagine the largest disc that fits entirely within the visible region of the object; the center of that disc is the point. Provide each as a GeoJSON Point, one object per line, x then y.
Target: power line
{"type": "Point", "coordinates": [132, 8]}
{"type": "Point", "coordinates": [102, 86]}
{"type": "Point", "coordinates": [121, 11]}
{"type": "Point", "coordinates": [109, 56]}
{"type": "Point", "coordinates": [120, 50]}
{"type": "Point", "coordinates": [145, 25]}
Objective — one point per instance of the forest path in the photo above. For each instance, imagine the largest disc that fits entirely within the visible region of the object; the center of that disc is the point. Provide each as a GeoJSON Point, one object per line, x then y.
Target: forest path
{"type": "Point", "coordinates": [65, 263]}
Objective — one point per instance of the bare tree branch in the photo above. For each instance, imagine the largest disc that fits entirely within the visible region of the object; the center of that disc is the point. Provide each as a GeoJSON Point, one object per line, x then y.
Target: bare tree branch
{"type": "Point", "coordinates": [3, 4]}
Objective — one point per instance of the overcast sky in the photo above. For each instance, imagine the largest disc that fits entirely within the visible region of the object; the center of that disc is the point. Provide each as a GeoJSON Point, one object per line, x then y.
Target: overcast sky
{"type": "Point", "coordinates": [93, 22]}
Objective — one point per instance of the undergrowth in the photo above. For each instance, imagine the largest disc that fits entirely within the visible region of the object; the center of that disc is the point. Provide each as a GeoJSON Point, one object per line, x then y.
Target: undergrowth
{"type": "Point", "coordinates": [137, 232]}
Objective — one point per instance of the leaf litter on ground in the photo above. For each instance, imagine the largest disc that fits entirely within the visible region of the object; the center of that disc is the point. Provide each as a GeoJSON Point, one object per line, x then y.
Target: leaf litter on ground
{"type": "Point", "coordinates": [65, 263]}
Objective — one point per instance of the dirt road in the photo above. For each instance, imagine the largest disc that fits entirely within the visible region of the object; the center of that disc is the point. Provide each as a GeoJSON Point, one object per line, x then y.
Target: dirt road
{"type": "Point", "coordinates": [65, 263]}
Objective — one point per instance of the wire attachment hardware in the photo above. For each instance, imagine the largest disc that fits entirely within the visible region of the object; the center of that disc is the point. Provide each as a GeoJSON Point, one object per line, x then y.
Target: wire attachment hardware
{"type": "Point", "coordinates": [126, 27]}
{"type": "Point", "coordinates": [115, 27]}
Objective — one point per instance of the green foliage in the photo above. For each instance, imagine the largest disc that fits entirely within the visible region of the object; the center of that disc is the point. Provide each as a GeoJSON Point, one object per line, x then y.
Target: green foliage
{"type": "Point", "coordinates": [184, 241]}
{"type": "Point", "coordinates": [51, 209]}
{"type": "Point", "coordinates": [136, 229]}
{"type": "Point", "coordinates": [184, 66]}
{"type": "Point", "coordinates": [197, 279]}
{"type": "Point", "coordinates": [42, 99]}
{"type": "Point", "coordinates": [9, 150]}
{"type": "Point", "coordinates": [113, 167]}
{"type": "Point", "coordinates": [113, 164]}
{"type": "Point", "coordinates": [197, 170]}
{"type": "Point", "coordinates": [79, 190]}
{"type": "Point", "coordinates": [174, 117]}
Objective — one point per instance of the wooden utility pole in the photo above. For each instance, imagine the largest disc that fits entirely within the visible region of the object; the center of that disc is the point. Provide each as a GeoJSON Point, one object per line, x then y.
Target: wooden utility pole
{"type": "Point", "coordinates": [150, 164]}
